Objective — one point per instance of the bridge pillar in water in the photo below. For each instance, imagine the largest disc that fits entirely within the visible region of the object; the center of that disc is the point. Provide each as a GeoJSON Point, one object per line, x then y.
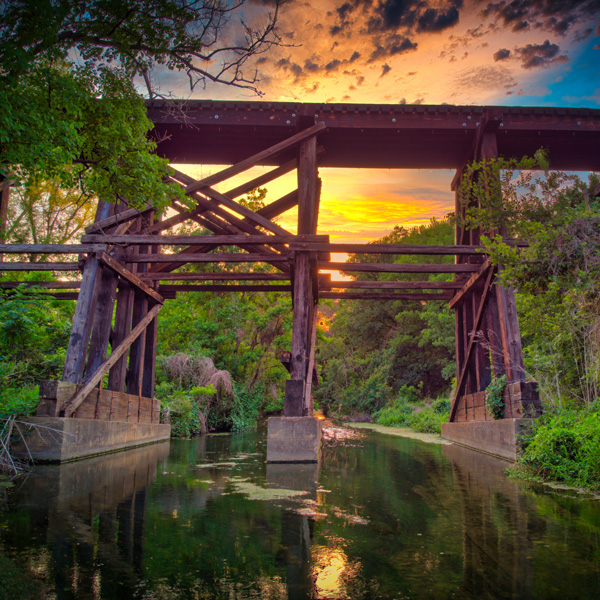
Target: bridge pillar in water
{"type": "Point", "coordinates": [296, 437]}
{"type": "Point", "coordinates": [93, 419]}
{"type": "Point", "coordinates": [488, 342]}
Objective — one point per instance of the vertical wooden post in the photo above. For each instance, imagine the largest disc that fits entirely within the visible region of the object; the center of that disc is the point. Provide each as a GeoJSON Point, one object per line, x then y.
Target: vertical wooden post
{"type": "Point", "coordinates": [116, 376]}
{"type": "Point", "coordinates": [505, 297]}
{"type": "Point", "coordinates": [82, 322]}
{"type": "Point", "coordinates": [297, 389]}
{"type": "Point", "coordinates": [102, 320]}
{"type": "Point", "coordinates": [4, 200]}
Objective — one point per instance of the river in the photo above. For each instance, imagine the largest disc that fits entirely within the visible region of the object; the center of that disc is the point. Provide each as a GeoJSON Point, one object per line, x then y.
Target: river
{"type": "Point", "coordinates": [380, 517]}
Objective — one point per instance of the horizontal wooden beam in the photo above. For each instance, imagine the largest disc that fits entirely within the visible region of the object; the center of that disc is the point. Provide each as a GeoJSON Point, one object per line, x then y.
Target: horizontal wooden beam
{"type": "Point", "coordinates": [71, 405]}
{"type": "Point", "coordinates": [387, 248]}
{"type": "Point", "coordinates": [50, 285]}
{"type": "Point", "coordinates": [39, 266]}
{"type": "Point", "coordinates": [383, 296]}
{"type": "Point", "coordinates": [225, 288]}
{"type": "Point", "coordinates": [215, 276]}
{"type": "Point", "coordinates": [391, 285]}
{"type": "Point", "coordinates": [206, 258]}
{"type": "Point", "coordinates": [256, 159]}
{"type": "Point", "coordinates": [122, 217]}
{"type": "Point", "coordinates": [472, 281]}
{"type": "Point", "coordinates": [50, 248]}
{"type": "Point", "coordinates": [394, 268]}
{"type": "Point", "coordinates": [200, 240]}
{"type": "Point", "coordinates": [132, 278]}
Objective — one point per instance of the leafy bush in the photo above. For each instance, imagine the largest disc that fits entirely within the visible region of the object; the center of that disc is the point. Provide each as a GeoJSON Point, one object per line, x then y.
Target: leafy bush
{"type": "Point", "coordinates": [18, 401]}
{"type": "Point", "coordinates": [442, 406]}
{"type": "Point", "coordinates": [565, 446]}
{"type": "Point", "coordinates": [428, 421]}
{"type": "Point", "coordinates": [494, 396]}
{"type": "Point", "coordinates": [397, 415]}
{"type": "Point", "coordinates": [246, 407]}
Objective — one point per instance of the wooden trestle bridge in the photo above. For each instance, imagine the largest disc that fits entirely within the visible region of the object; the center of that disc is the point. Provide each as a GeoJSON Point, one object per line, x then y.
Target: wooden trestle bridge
{"type": "Point", "coordinates": [128, 271]}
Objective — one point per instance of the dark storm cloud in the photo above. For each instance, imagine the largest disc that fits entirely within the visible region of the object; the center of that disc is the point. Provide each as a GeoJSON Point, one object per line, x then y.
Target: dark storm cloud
{"type": "Point", "coordinates": [557, 16]}
{"type": "Point", "coordinates": [435, 20]}
{"type": "Point", "coordinates": [540, 55]}
{"type": "Point", "coordinates": [391, 46]}
{"type": "Point", "coordinates": [502, 54]}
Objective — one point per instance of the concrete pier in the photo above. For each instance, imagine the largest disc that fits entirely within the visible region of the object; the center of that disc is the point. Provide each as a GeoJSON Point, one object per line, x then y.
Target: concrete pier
{"type": "Point", "coordinates": [59, 439]}
{"type": "Point", "coordinates": [293, 439]}
{"type": "Point", "coordinates": [498, 438]}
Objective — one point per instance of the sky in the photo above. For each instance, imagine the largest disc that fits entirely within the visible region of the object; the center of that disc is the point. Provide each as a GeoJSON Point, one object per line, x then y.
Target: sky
{"type": "Point", "coordinates": [465, 52]}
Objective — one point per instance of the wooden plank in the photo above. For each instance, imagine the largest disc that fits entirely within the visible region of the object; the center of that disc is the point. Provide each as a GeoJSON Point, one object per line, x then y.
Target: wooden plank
{"type": "Point", "coordinates": [399, 249]}
{"type": "Point", "coordinates": [302, 307]}
{"type": "Point", "coordinates": [102, 319]}
{"type": "Point", "coordinates": [394, 268]}
{"type": "Point", "coordinates": [129, 276]}
{"type": "Point", "coordinates": [383, 296]}
{"type": "Point", "coordinates": [225, 288]}
{"type": "Point", "coordinates": [390, 285]}
{"type": "Point", "coordinates": [122, 327]}
{"type": "Point", "coordinates": [215, 277]}
{"type": "Point", "coordinates": [256, 159]}
{"type": "Point", "coordinates": [50, 248]}
{"type": "Point", "coordinates": [71, 405]}
{"type": "Point", "coordinates": [61, 295]}
{"type": "Point", "coordinates": [122, 217]}
{"type": "Point", "coordinates": [511, 336]}
{"type": "Point", "coordinates": [207, 258]}
{"type": "Point", "coordinates": [254, 218]}
{"type": "Point", "coordinates": [82, 322]}
{"type": "Point", "coordinates": [51, 285]}
{"type": "Point", "coordinates": [137, 352]}
{"type": "Point", "coordinates": [39, 266]}
{"type": "Point", "coordinates": [278, 207]}
{"type": "Point", "coordinates": [476, 323]}
{"type": "Point", "coordinates": [471, 282]}
{"type": "Point", "coordinates": [307, 186]}
{"type": "Point", "coordinates": [199, 240]}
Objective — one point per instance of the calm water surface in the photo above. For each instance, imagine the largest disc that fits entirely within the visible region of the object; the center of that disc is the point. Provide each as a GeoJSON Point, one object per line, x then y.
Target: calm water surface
{"type": "Point", "coordinates": [381, 517]}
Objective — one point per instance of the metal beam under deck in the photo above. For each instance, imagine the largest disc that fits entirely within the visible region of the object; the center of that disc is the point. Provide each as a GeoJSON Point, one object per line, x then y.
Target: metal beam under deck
{"type": "Point", "coordinates": [365, 135]}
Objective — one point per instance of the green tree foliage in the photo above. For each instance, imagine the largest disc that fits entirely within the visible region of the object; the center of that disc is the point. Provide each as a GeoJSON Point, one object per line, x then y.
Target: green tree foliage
{"type": "Point", "coordinates": [373, 348]}
{"type": "Point", "coordinates": [71, 111]}
{"type": "Point", "coordinates": [557, 275]}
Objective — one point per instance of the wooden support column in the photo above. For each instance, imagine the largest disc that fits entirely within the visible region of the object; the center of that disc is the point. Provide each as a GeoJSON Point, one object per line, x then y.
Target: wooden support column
{"type": "Point", "coordinates": [82, 321]}
{"type": "Point", "coordinates": [102, 320]}
{"type": "Point", "coordinates": [4, 200]}
{"type": "Point", "coordinates": [297, 391]}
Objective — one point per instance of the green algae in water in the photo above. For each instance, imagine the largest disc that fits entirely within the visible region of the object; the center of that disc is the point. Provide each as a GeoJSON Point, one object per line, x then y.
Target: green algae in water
{"type": "Point", "coordinates": [254, 492]}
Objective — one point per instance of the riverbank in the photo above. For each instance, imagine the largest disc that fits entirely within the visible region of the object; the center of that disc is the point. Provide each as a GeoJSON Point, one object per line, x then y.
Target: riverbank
{"type": "Point", "coordinates": [429, 438]}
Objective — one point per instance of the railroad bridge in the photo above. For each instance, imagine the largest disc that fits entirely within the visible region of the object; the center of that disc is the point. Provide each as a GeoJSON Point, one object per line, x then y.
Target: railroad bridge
{"type": "Point", "coordinates": [106, 400]}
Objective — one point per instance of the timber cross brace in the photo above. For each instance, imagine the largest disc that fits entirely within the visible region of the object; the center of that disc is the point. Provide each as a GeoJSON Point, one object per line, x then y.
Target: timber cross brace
{"type": "Point", "coordinates": [126, 277]}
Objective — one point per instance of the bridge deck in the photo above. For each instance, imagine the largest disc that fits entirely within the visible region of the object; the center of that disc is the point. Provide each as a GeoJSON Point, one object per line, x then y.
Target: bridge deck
{"type": "Point", "coordinates": [367, 135]}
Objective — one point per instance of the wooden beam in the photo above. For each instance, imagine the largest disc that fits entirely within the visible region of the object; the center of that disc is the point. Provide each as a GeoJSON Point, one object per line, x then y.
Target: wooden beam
{"type": "Point", "coordinates": [278, 207]}
{"type": "Point", "coordinates": [61, 295]}
{"type": "Point", "coordinates": [207, 258]}
{"type": "Point", "coordinates": [256, 159]}
{"type": "Point", "coordinates": [308, 197]}
{"type": "Point", "coordinates": [120, 270]}
{"type": "Point", "coordinates": [199, 240]}
{"type": "Point", "coordinates": [122, 217]}
{"type": "Point", "coordinates": [254, 218]}
{"type": "Point", "coordinates": [225, 288]}
{"type": "Point", "coordinates": [383, 296]}
{"type": "Point", "coordinates": [476, 323]}
{"type": "Point", "coordinates": [399, 249]}
{"type": "Point", "coordinates": [50, 285]}
{"type": "Point", "coordinates": [390, 285]}
{"type": "Point", "coordinates": [471, 282]}
{"type": "Point", "coordinates": [396, 268]}
{"type": "Point", "coordinates": [71, 405]}
{"type": "Point", "coordinates": [41, 266]}
{"type": "Point", "coordinates": [215, 277]}
{"type": "Point", "coordinates": [50, 248]}
{"type": "Point", "coordinates": [82, 322]}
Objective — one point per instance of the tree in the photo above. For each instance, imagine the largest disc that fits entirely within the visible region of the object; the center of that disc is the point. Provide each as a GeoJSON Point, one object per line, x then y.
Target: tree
{"type": "Point", "coordinates": [71, 112]}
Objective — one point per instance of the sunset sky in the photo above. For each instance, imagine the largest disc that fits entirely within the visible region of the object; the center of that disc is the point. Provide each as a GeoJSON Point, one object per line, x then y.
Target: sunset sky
{"type": "Point", "coordinates": [517, 53]}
